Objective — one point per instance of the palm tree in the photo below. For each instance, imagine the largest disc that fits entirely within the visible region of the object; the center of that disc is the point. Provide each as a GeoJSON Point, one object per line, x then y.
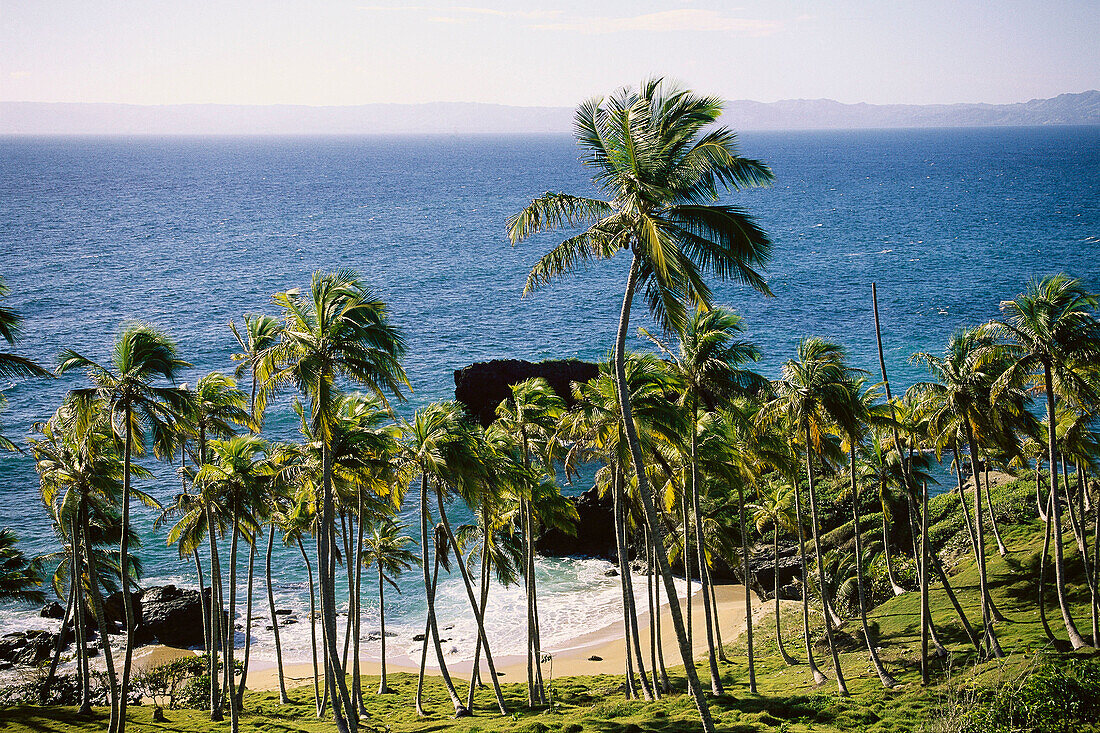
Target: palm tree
{"type": "Point", "coordinates": [659, 165]}
{"type": "Point", "coordinates": [238, 476]}
{"type": "Point", "coordinates": [864, 413]}
{"type": "Point", "coordinates": [813, 397]}
{"type": "Point", "coordinates": [141, 355]}
{"type": "Point", "coordinates": [386, 546]}
{"type": "Point", "coordinates": [959, 408]}
{"type": "Point", "coordinates": [1051, 334]}
{"type": "Point", "coordinates": [12, 365]}
{"type": "Point", "coordinates": [531, 412]}
{"type": "Point", "coordinates": [775, 509]}
{"type": "Point", "coordinates": [339, 330]}
{"type": "Point", "coordinates": [707, 363]}
{"type": "Point", "coordinates": [20, 578]}
{"type": "Point", "coordinates": [441, 443]}
{"type": "Point", "coordinates": [261, 334]}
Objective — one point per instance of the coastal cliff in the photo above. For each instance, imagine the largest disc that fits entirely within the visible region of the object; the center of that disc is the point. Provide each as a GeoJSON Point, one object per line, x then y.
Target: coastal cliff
{"type": "Point", "coordinates": [481, 387]}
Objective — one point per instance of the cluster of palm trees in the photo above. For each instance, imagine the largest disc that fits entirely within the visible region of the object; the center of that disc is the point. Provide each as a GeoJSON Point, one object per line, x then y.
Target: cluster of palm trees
{"type": "Point", "coordinates": [695, 449]}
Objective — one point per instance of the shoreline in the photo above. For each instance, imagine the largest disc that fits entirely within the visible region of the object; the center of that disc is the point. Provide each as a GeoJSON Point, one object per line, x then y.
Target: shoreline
{"type": "Point", "coordinates": [568, 659]}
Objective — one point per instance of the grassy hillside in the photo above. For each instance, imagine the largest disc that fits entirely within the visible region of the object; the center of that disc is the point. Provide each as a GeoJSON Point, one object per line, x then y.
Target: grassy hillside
{"type": "Point", "coordinates": [964, 697]}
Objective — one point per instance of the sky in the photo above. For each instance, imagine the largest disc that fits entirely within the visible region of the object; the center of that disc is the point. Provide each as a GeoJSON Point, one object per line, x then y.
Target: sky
{"type": "Point", "coordinates": [546, 53]}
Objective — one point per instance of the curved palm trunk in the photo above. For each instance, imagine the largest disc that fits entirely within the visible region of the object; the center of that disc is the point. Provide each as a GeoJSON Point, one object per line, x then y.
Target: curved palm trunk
{"type": "Point", "coordinates": [343, 711]}
{"type": "Point", "coordinates": [283, 698]}
{"type": "Point", "coordinates": [1095, 587]}
{"type": "Point", "coordinates": [1001, 549]}
{"type": "Point", "coordinates": [247, 622]}
{"type": "Point", "coordinates": [814, 525]}
{"type": "Point", "coordinates": [712, 658]}
{"type": "Point", "coordinates": [478, 618]}
{"type": "Point", "coordinates": [427, 637]}
{"type": "Point", "coordinates": [124, 564]}
{"type": "Point", "coordinates": [429, 590]}
{"type": "Point", "coordinates": [962, 502]}
{"type": "Point", "coordinates": [898, 590]}
{"type": "Point", "coordinates": [992, 646]}
{"type": "Point", "coordinates": [1039, 489]}
{"type": "Point", "coordinates": [787, 658]}
{"type": "Point", "coordinates": [1043, 573]}
{"type": "Point", "coordinates": [356, 595]}
{"type": "Point", "coordinates": [312, 628]}
{"type": "Point", "coordinates": [616, 518]}
{"type": "Point", "coordinates": [666, 686]}
{"type": "Point", "coordinates": [747, 573]}
{"type": "Point", "coordinates": [818, 676]}
{"type": "Point", "coordinates": [66, 622]}
{"type": "Point", "coordinates": [234, 707]}
{"type": "Point", "coordinates": [100, 617]}
{"type": "Point", "coordinates": [1077, 526]}
{"type": "Point", "coordinates": [648, 503]}
{"type": "Point", "coordinates": [475, 671]}
{"type": "Point", "coordinates": [685, 557]}
{"type": "Point", "coordinates": [533, 697]}
{"type": "Point", "coordinates": [714, 614]}
{"type": "Point", "coordinates": [653, 610]}
{"type": "Point", "coordinates": [383, 688]}
{"type": "Point", "coordinates": [632, 608]}
{"type": "Point", "coordinates": [217, 616]}
{"type": "Point", "coordinates": [887, 680]}
{"type": "Point", "coordinates": [1075, 638]}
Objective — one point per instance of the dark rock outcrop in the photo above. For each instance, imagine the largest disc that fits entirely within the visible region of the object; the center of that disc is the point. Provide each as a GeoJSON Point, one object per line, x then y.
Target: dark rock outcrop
{"type": "Point", "coordinates": [52, 609]}
{"type": "Point", "coordinates": [173, 616]}
{"type": "Point", "coordinates": [481, 387]}
{"type": "Point", "coordinates": [27, 647]}
{"type": "Point", "coordinates": [595, 535]}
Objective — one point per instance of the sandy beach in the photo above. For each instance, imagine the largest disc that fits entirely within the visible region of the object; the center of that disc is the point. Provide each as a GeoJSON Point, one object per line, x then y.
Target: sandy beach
{"type": "Point", "coordinates": [574, 657]}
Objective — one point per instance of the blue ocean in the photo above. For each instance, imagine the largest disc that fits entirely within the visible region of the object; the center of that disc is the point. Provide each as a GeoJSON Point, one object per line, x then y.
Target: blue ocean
{"type": "Point", "coordinates": [192, 233]}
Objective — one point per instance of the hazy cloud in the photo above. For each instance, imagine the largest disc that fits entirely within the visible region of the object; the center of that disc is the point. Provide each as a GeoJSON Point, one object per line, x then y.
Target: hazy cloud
{"type": "Point", "coordinates": [684, 19]}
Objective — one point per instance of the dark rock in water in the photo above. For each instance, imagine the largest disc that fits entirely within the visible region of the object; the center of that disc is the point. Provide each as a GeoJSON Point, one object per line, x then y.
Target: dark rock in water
{"type": "Point", "coordinates": [115, 611]}
{"type": "Point", "coordinates": [481, 387]}
{"type": "Point", "coordinates": [595, 658]}
{"type": "Point", "coordinates": [595, 535]}
{"type": "Point", "coordinates": [611, 573]}
{"type": "Point", "coordinates": [52, 610]}
{"type": "Point", "coordinates": [27, 647]}
{"type": "Point", "coordinates": [283, 612]}
{"type": "Point", "coordinates": [173, 616]}
{"type": "Point", "coordinates": [419, 637]}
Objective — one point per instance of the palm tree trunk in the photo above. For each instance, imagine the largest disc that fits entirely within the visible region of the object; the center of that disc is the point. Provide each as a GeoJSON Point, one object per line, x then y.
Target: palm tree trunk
{"type": "Point", "coordinates": [887, 680]}
{"type": "Point", "coordinates": [478, 617]}
{"type": "Point", "coordinates": [1095, 575]}
{"type": "Point", "coordinates": [787, 658]}
{"type": "Point", "coordinates": [815, 524]}
{"type": "Point", "coordinates": [898, 590]}
{"type": "Point", "coordinates": [124, 564]}
{"type": "Point", "coordinates": [383, 688]}
{"type": "Point", "coordinates": [712, 658]}
{"type": "Point", "coordinates": [1043, 573]}
{"type": "Point", "coordinates": [429, 589]}
{"type": "Point", "coordinates": [1001, 549]}
{"type": "Point", "coordinates": [746, 572]}
{"type": "Point", "coordinates": [962, 502]}
{"type": "Point", "coordinates": [926, 611]}
{"type": "Point", "coordinates": [632, 638]}
{"type": "Point", "coordinates": [427, 637]}
{"type": "Point", "coordinates": [666, 686]}
{"type": "Point", "coordinates": [714, 613]}
{"type": "Point", "coordinates": [540, 685]}
{"type": "Point", "coordinates": [475, 671]}
{"type": "Point", "coordinates": [992, 646]}
{"type": "Point", "coordinates": [312, 627]}
{"type": "Point", "coordinates": [648, 503]}
{"type": "Point", "coordinates": [283, 698]}
{"type": "Point", "coordinates": [343, 712]}
{"type": "Point", "coordinates": [1075, 638]}
{"type": "Point", "coordinates": [616, 518]}
{"type": "Point", "coordinates": [203, 605]}
{"type": "Point", "coordinates": [532, 697]}
{"type": "Point", "coordinates": [247, 622]}
{"type": "Point", "coordinates": [819, 677]}
{"type": "Point", "coordinates": [66, 620]}
{"type": "Point", "coordinates": [685, 556]}
{"type": "Point", "coordinates": [1077, 526]}
{"type": "Point", "coordinates": [653, 611]}
{"type": "Point", "coordinates": [217, 616]}
{"type": "Point", "coordinates": [234, 708]}
{"type": "Point", "coordinates": [1038, 488]}
{"type": "Point", "coordinates": [356, 594]}
{"type": "Point", "coordinates": [100, 617]}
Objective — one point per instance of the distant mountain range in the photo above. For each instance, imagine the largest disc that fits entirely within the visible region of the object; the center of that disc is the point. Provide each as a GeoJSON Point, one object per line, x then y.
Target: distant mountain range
{"type": "Point", "coordinates": [40, 118]}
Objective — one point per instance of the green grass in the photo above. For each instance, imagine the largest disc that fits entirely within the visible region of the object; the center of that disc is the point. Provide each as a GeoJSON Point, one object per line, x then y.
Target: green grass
{"type": "Point", "coordinates": [786, 700]}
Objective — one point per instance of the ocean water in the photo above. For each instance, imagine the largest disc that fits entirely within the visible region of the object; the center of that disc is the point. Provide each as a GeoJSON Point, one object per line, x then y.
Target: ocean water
{"type": "Point", "coordinates": [191, 233]}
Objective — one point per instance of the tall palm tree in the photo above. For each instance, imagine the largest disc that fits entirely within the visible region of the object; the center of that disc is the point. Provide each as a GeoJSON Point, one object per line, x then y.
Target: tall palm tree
{"type": "Point", "coordinates": [13, 365]}
{"type": "Point", "coordinates": [238, 476]}
{"type": "Point", "coordinates": [260, 334]}
{"type": "Point", "coordinates": [775, 509]}
{"type": "Point", "coordinates": [959, 408]}
{"type": "Point", "coordinates": [864, 413]}
{"type": "Point", "coordinates": [531, 412]}
{"type": "Point", "coordinates": [386, 546]}
{"type": "Point", "coordinates": [707, 361]}
{"type": "Point", "coordinates": [659, 166]}
{"type": "Point", "coordinates": [441, 443]}
{"type": "Point", "coordinates": [1051, 335]}
{"type": "Point", "coordinates": [141, 356]}
{"type": "Point", "coordinates": [338, 330]}
{"type": "Point", "coordinates": [20, 577]}
{"type": "Point", "coordinates": [813, 397]}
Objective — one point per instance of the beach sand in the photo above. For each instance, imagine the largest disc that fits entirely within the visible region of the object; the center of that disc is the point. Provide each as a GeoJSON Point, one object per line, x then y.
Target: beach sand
{"type": "Point", "coordinates": [569, 659]}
